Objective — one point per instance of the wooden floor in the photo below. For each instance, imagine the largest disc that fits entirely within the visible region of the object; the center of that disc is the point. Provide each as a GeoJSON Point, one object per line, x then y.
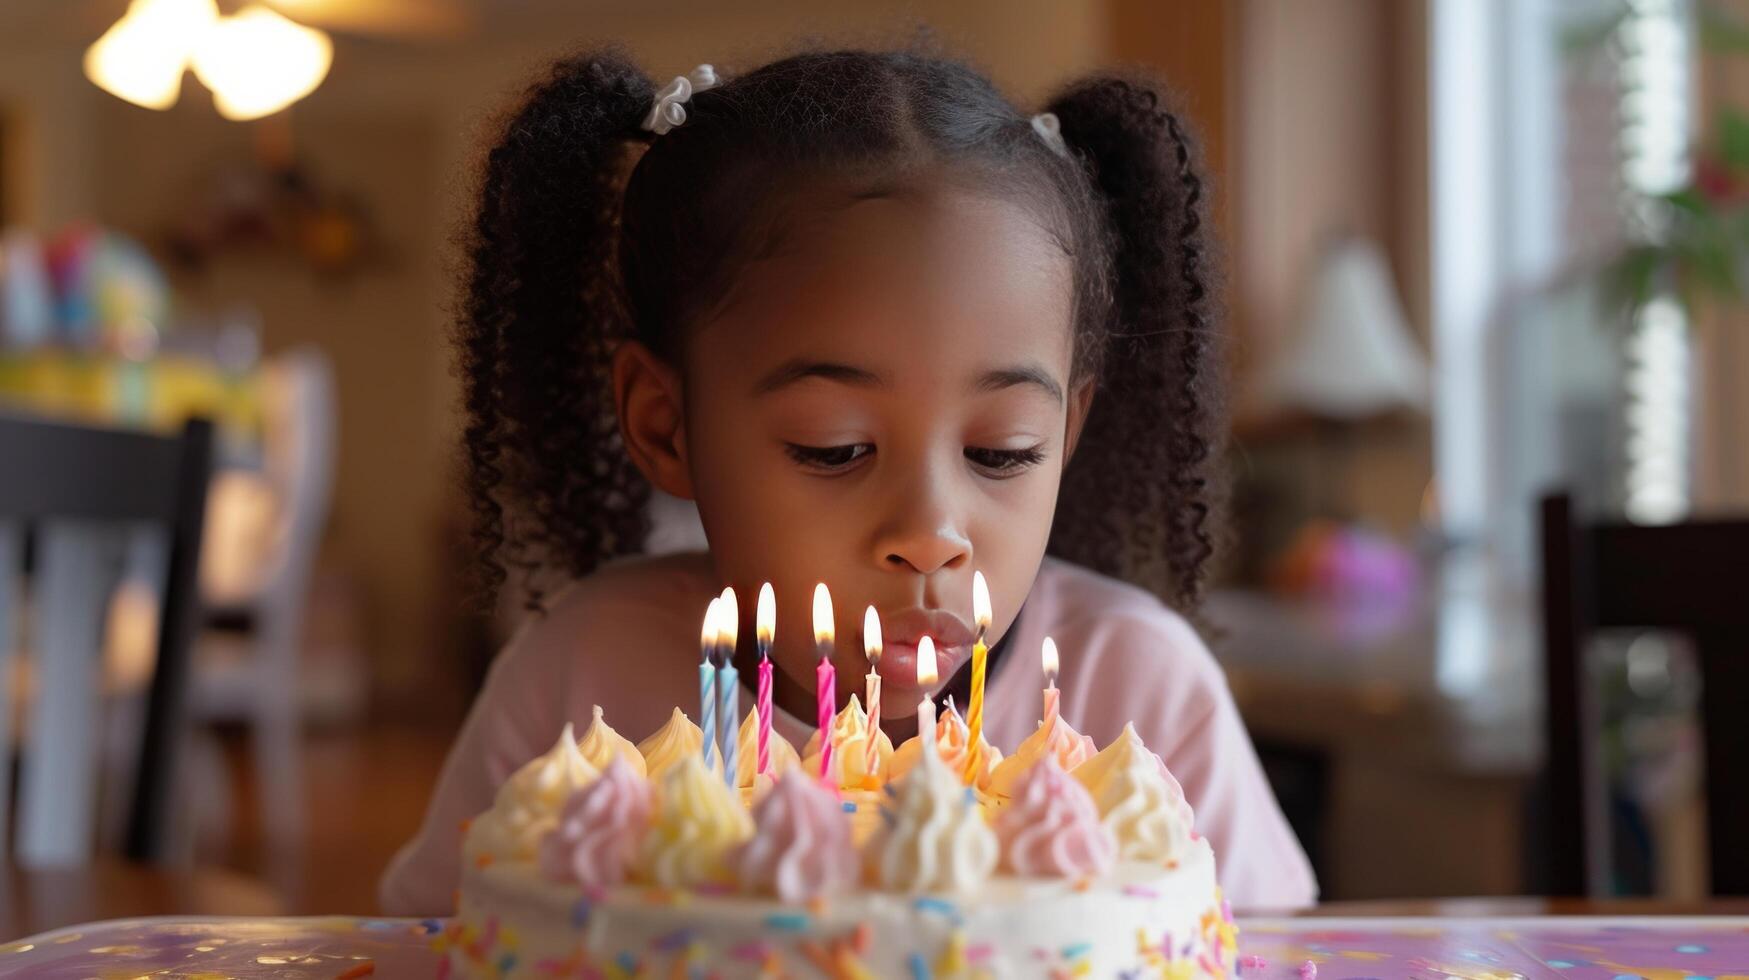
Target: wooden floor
{"type": "Point", "coordinates": [365, 791]}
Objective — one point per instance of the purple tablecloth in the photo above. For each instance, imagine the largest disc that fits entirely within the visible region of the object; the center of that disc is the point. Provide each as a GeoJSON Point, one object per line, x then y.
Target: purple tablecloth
{"type": "Point", "coordinates": [1436, 949]}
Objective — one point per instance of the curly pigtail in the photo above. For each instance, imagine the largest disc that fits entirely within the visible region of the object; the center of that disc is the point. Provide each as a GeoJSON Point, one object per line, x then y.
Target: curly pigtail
{"type": "Point", "coordinates": [1161, 363]}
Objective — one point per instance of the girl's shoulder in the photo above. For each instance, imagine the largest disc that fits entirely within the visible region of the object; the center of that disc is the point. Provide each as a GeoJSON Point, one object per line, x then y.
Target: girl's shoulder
{"type": "Point", "coordinates": [1106, 625]}
{"type": "Point", "coordinates": [620, 605]}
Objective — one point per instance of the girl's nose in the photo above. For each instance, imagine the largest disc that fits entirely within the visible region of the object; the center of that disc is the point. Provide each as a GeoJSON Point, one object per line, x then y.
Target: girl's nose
{"type": "Point", "coordinates": [922, 536]}
{"type": "Point", "coordinates": [926, 551]}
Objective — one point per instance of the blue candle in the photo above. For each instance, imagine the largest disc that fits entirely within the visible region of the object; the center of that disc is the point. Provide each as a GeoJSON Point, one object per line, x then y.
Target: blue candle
{"type": "Point", "coordinates": [707, 678]}
{"type": "Point", "coordinates": [728, 686]}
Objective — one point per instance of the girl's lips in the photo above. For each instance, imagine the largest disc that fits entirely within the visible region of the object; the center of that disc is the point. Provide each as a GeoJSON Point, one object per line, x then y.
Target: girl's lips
{"type": "Point", "coordinates": [898, 664]}
{"type": "Point", "coordinates": [903, 629]}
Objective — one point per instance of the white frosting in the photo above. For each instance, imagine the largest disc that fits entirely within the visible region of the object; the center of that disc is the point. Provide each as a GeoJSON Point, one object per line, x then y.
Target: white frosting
{"type": "Point", "coordinates": [527, 805]}
{"type": "Point", "coordinates": [1138, 800]}
{"type": "Point", "coordinates": [935, 838]}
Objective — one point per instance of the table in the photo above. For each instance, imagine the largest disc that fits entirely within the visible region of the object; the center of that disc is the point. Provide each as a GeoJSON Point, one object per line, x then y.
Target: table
{"type": "Point", "coordinates": [1654, 948]}
{"type": "Point", "coordinates": [36, 901]}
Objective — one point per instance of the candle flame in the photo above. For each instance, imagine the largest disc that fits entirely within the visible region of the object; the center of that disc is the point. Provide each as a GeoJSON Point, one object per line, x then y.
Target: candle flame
{"type": "Point", "coordinates": [926, 672]}
{"type": "Point", "coordinates": [765, 618]}
{"type": "Point", "coordinates": [823, 617]}
{"type": "Point", "coordinates": [871, 635]}
{"type": "Point", "coordinates": [708, 637]}
{"type": "Point", "coordinates": [728, 620]}
{"type": "Point", "coordinates": [980, 602]}
{"type": "Point", "coordinates": [1049, 654]}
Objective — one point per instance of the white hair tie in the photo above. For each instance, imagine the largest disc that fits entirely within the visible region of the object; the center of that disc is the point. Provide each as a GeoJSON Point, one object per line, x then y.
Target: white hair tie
{"type": "Point", "coordinates": [1047, 127]}
{"type": "Point", "coordinates": [669, 109]}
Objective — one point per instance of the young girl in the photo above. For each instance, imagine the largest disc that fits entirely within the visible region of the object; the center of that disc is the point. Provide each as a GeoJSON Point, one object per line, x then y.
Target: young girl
{"type": "Point", "coordinates": [885, 329]}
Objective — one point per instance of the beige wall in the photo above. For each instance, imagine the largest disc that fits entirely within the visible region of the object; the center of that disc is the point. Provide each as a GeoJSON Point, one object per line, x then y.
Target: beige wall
{"type": "Point", "coordinates": [398, 124]}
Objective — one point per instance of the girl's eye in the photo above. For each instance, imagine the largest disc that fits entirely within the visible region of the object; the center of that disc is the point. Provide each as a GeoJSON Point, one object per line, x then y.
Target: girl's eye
{"type": "Point", "coordinates": [1004, 462]}
{"type": "Point", "coordinates": [828, 459]}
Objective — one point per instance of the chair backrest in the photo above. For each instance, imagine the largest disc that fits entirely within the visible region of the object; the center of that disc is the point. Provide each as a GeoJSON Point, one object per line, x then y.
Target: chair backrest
{"type": "Point", "coordinates": [1691, 578]}
{"type": "Point", "coordinates": [79, 491]}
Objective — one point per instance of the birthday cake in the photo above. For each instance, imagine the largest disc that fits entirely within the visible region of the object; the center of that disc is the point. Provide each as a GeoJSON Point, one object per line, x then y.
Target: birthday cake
{"type": "Point", "coordinates": [605, 859]}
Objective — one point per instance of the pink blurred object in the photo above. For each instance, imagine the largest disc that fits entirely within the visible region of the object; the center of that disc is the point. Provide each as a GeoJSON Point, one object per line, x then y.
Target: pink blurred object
{"type": "Point", "coordinates": [1339, 561]}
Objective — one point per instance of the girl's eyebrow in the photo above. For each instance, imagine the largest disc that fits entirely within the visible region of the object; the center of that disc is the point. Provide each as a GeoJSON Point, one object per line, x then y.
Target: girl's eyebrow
{"type": "Point", "coordinates": [1024, 374]}
{"type": "Point", "coordinates": [790, 372]}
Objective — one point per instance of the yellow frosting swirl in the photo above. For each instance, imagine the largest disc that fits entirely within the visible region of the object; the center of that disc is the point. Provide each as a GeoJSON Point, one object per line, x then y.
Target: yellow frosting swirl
{"type": "Point", "coordinates": [674, 741]}
{"type": "Point", "coordinates": [698, 824]}
{"type": "Point", "coordinates": [848, 767]}
{"type": "Point", "coordinates": [527, 805]}
{"type": "Point", "coordinates": [935, 838]}
{"type": "Point", "coordinates": [1138, 800]}
{"type": "Point", "coordinates": [1069, 747]}
{"type": "Point", "coordinates": [783, 754]}
{"type": "Point", "coordinates": [601, 744]}
{"type": "Point", "coordinates": [950, 742]}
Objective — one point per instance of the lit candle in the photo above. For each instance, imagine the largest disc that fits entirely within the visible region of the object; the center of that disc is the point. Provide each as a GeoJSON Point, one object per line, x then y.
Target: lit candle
{"type": "Point", "coordinates": [1049, 655]}
{"type": "Point", "coordinates": [707, 683]}
{"type": "Point", "coordinates": [980, 658]}
{"type": "Point", "coordinates": [926, 678]}
{"type": "Point", "coordinates": [871, 648]}
{"type": "Point", "coordinates": [765, 625]}
{"type": "Point", "coordinates": [826, 676]}
{"type": "Point", "coordinates": [729, 682]}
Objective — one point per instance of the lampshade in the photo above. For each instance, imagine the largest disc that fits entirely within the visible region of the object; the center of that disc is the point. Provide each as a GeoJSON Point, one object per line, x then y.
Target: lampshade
{"type": "Point", "coordinates": [142, 56]}
{"type": "Point", "coordinates": [1351, 354]}
{"type": "Point", "coordinates": [257, 62]}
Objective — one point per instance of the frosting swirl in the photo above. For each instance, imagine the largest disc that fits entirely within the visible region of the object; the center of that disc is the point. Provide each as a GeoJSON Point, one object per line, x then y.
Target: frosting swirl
{"type": "Point", "coordinates": [601, 745]}
{"type": "Point", "coordinates": [849, 765]}
{"type": "Point", "coordinates": [783, 754]}
{"type": "Point", "coordinates": [527, 805]}
{"type": "Point", "coordinates": [800, 849]}
{"type": "Point", "coordinates": [1061, 742]}
{"type": "Point", "coordinates": [674, 741]}
{"type": "Point", "coordinates": [599, 828]}
{"type": "Point", "coordinates": [1052, 828]}
{"type": "Point", "coordinates": [950, 743]}
{"type": "Point", "coordinates": [935, 837]}
{"type": "Point", "coordinates": [1138, 799]}
{"type": "Point", "coordinates": [699, 821]}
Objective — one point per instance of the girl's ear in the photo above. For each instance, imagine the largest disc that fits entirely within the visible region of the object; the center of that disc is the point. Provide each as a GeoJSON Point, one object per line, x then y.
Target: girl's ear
{"type": "Point", "coordinates": [1080, 403]}
{"type": "Point", "coordinates": [652, 417]}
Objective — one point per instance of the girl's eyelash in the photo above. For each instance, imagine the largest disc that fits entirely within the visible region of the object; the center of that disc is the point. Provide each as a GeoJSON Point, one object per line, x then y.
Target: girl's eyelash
{"type": "Point", "coordinates": [1005, 462]}
{"type": "Point", "coordinates": [837, 459]}
{"type": "Point", "coordinates": [828, 458]}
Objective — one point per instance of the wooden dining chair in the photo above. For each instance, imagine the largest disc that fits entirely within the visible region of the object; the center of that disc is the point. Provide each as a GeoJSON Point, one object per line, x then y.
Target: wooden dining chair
{"type": "Point", "coordinates": [1691, 578]}
{"type": "Point", "coordinates": [78, 493]}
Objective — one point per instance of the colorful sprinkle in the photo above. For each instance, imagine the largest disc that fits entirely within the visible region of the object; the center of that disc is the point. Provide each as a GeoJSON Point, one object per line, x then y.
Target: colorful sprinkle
{"type": "Point", "coordinates": [580, 913]}
{"type": "Point", "coordinates": [1077, 951]}
{"type": "Point", "coordinates": [1140, 891]}
{"type": "Point", "coordinates": [364, 969]}
{"type": "Point", "coordinates": [919, 967]}
{"type": "Point", "coordinates": [678, 939]}
{"type": "Point", "coordinates": [788, 921]}
{"type": "Point", "coordinates": [754, 951]}
{"type": "Point", "coordinates": [980, 952]}
{"type": "Point", "coordinates": [939, 905]}
{"type": "Point", "coordinates": [849, 806]}
{"type": "Point", "coordinates": [1691, 948]}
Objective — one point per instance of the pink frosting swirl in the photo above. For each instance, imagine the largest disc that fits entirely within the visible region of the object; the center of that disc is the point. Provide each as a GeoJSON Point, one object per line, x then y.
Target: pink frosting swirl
{"type": "Point", "coordinates": [1051, 827]}
{"type": "Point", "coordinates": [599, 828]}
{"type": "Point", "coordinates": [800, 849]}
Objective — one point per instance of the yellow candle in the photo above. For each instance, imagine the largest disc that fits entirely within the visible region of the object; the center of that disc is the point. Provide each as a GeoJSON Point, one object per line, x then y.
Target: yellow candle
{"type": "Point", "coordinates": [980, 658]}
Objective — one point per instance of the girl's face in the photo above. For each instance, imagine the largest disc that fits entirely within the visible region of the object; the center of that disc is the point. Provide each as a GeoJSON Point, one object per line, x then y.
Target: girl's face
{"type": "Point", "coordinates": [884, 405]}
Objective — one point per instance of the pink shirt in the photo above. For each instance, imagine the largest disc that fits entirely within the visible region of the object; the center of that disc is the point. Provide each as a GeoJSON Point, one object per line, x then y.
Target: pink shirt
{"type": "Point", "coordinates": [1124, 657]}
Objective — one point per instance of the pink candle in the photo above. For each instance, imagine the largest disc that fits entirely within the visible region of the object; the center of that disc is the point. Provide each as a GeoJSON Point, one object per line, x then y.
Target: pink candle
{"type": "Point", "coordinates": [871, 645]}
{"type": "Point", "coordinates": [766, 624]}
{"type": "Point", "coordinates": [826, 676]}
{"type": "Point", "coordinates": [1051, 692]}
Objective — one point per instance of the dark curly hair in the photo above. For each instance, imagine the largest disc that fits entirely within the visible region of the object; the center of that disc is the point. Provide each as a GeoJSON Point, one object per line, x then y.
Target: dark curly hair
{"type": "Point", "coordinates": [581, 242]}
